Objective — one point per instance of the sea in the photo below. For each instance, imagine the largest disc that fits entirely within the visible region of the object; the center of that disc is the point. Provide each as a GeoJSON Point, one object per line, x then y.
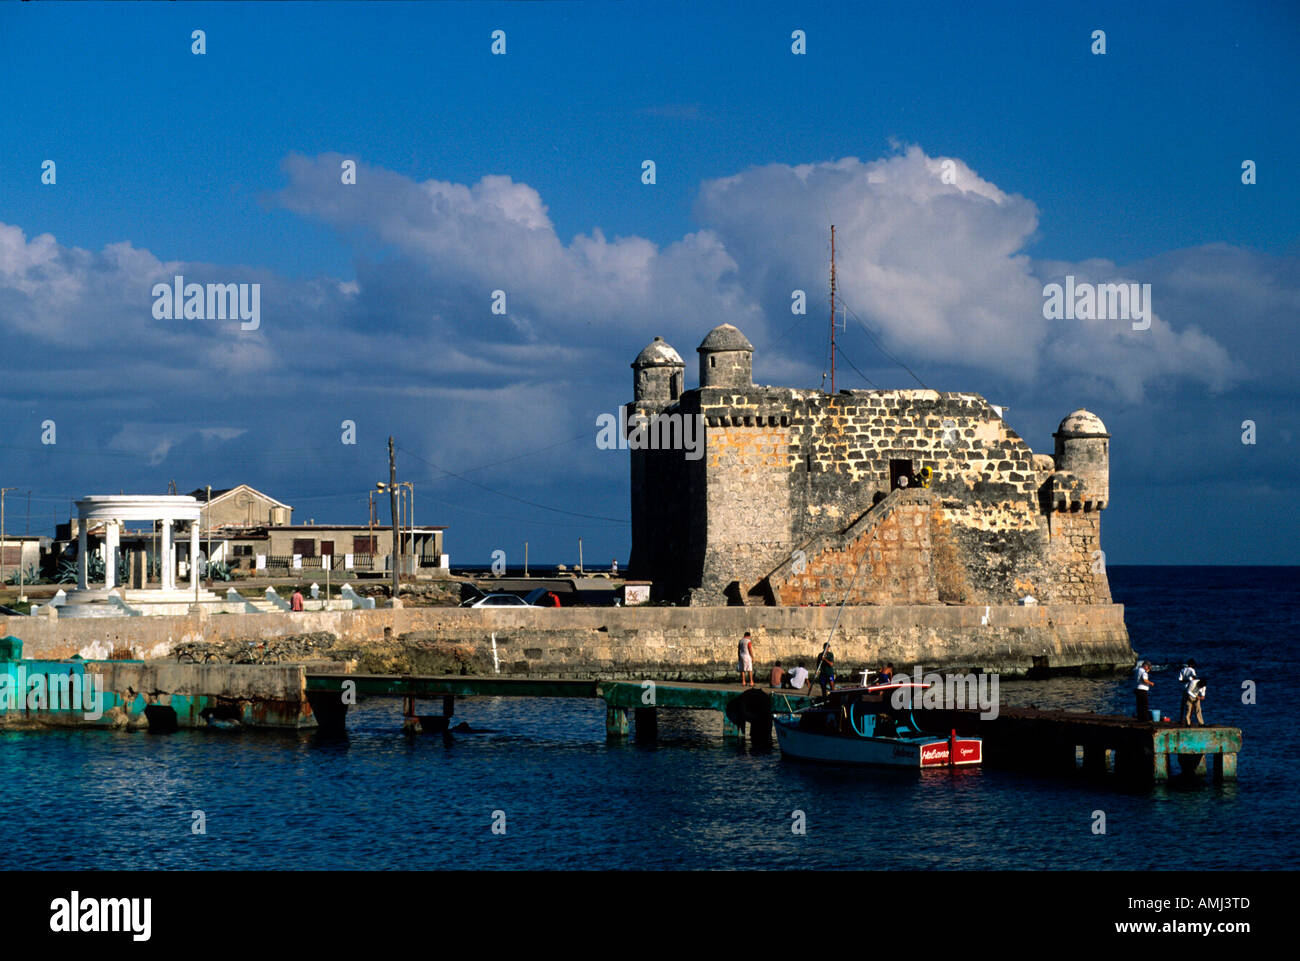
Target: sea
{"type": "Point", "coordinates": [537, 786]}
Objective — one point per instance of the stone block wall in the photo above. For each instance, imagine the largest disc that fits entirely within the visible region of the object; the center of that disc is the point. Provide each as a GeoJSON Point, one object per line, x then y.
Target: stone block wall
{"type": "Point", "coordinates": [668, 643]}
{"type": "Point", "coordinates": [884, 558]}
{"type": "Point", "coordinates": [785, 467]}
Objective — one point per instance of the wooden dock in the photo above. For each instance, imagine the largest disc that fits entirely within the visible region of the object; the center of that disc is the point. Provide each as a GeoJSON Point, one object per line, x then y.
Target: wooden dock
{"type": "Point", "coordinates": [1024, 738]}
{"type": "Point", "coordinates": [1062, 742]}
{"type": "Point", "coordinates": [624, 700]}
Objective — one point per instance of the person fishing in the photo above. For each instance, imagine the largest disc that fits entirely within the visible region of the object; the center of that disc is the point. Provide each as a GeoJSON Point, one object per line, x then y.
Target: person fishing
{"type": "Point", "coordinates": [1142, 679]}
{"type": "Point", "coordinates": [1193, 694]}
{"type": "Point", "coordinates": [825, 670]}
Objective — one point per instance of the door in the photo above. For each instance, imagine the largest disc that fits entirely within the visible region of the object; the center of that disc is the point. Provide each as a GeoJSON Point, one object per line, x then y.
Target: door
{"type": "Point", "coordinates": [900, 474]}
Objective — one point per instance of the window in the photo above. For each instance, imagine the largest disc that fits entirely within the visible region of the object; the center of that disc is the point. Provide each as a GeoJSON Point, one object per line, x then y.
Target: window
{"type": "Point", "coordinates": [243, 550]}
{"type": "Point", "coordinates": [364, 545]}
{"type": "Point", "coordinates": [306, 546]}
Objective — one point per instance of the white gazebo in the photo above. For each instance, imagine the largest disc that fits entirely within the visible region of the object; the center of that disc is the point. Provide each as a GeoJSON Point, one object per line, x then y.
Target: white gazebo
{"type": "Point", "coordinates": [113, 510]}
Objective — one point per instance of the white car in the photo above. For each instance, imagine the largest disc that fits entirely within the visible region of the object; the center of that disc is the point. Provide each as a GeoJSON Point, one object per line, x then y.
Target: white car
{"type": "Point", "coordinates": [499, 600]}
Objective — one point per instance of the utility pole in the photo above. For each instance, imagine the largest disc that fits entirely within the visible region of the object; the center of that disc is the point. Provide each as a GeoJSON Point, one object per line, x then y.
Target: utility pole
{"type": "Point", "coordinates": [3, 491]}
{"type": "Point", "coordinates": [392, 505]}
{"type": "Point", "coordinates": [832, 313]}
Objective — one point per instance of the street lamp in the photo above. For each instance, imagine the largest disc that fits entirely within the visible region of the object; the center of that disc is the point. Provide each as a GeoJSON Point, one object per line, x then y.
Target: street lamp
{"type": "Point", "coordinates": [3, 491]}
{"type": "Point", "coordinates": [410, 517]}
{"type": "Point", "coordinates": [394, 490]}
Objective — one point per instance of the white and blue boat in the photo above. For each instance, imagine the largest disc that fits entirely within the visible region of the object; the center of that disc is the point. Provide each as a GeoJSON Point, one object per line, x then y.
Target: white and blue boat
{"type": "Point", "coordinates": [861, 726]}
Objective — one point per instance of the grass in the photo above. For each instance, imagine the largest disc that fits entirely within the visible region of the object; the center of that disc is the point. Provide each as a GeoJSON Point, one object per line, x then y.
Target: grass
{"type": "Point", "coordinates": [23, 607]}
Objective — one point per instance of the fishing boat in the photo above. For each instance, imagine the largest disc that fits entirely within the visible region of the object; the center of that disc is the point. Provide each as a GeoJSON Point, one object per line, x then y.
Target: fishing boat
{"type": "Point", "coordinates": [861, 726]}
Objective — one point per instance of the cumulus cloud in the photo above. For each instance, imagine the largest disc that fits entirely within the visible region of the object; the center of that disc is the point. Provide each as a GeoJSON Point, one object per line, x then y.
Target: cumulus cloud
{"type": "Point", "coordinates": [931, 256]}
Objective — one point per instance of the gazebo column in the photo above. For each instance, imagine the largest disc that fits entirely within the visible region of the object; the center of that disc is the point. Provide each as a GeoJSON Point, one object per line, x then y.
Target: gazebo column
{"type": "Point", "coordinates": [112, 542]}
{"type": "Point", "coordinates": [168, 559]}
{"type": "Point", "coordinates": [81, 555]}
{"type": "Point", "coordinates": [194, 555]}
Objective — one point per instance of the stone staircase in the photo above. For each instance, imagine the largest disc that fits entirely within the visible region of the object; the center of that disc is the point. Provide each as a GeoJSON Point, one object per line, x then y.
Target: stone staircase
{"type": "Point", "coordinates": [767, 590]}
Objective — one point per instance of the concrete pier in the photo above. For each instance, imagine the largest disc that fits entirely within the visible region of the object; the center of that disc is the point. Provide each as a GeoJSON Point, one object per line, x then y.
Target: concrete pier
{"type": "Point", "coordinates": [1131, 749]}
{"type": "Point", "coordinates": [137, 696]}
{"type": "Point", "coordinates": [624, 700]}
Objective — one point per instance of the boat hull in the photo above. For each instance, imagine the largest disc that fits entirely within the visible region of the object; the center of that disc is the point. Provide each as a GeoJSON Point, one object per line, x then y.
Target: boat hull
{"type": "Point", "coordinates": [917, 752]}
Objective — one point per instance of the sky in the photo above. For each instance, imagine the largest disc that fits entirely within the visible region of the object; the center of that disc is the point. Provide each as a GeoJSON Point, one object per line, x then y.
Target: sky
{"type": "Point", "coordinates": [967, 156]}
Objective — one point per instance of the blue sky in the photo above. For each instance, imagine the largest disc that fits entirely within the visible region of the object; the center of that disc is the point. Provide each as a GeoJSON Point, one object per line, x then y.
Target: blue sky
{"type": "Point", "coordinates": [224, 167]}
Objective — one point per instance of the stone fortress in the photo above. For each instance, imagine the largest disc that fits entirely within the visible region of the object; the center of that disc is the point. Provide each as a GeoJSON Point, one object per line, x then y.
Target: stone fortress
{"type": "Point", "coordinates": [880, 497]}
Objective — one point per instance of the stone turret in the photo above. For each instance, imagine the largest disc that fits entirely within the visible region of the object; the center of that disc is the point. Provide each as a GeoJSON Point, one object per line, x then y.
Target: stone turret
{"type": "Point", "coordinates": [1083, 449]}
{"type": "Point", "coordinates": [658, 372]}
{"type": "Point", "coordinates": [726, 358]}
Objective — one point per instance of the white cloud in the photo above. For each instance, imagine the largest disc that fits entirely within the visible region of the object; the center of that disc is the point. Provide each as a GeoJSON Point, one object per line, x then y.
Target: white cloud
{"type": "Point", "coordinates": [939, 269]}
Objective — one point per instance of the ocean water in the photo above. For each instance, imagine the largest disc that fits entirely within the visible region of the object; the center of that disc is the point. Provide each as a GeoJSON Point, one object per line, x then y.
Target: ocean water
{"type": "Point", "coordinates": [562, 798]}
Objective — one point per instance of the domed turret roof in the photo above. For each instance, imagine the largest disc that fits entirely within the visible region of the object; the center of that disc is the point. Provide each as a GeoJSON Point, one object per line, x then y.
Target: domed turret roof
{"type": "Point", "coordinates": [658, 353]}
{"type": "Point", "coordinates": [725, 337]}
{"type": "Point", "coordinates": [1082, 422]}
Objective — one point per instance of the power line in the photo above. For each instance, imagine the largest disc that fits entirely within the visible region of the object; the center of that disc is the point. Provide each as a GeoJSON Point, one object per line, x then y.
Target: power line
{"type": "Point", "coordinates": [881, 347]}
{"type": "Point", "coordinates": [874, 340]}
{"type": "Point", "coordinates": [855, 367]}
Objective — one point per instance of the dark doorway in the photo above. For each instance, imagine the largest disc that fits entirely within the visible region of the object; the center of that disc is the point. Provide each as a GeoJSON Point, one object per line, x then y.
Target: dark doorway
{"type": "Point", "coordinates": [900, 474]}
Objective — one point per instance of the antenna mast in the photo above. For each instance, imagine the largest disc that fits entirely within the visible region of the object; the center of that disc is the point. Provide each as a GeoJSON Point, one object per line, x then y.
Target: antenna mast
{"type": "Point", "coordinates": [832, 309]}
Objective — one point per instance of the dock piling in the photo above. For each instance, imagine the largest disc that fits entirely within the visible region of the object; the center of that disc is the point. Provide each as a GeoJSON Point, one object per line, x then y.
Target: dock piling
{"type": "Point", "coordinates": [647, 725]}
{"type": "Point", "coordinates": [616, 725]}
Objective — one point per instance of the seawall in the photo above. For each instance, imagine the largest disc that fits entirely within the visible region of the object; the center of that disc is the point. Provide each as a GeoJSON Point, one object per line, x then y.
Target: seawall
{"type": "Point", "coordinates": [667, 643]}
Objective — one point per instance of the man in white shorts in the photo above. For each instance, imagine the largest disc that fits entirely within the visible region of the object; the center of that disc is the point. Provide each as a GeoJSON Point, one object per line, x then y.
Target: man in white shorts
{"type": "Point", "coordinates": [746, 651]}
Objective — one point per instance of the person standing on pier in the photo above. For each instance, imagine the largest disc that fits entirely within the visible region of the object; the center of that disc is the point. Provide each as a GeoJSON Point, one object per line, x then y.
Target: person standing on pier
{"type": "Point", "coordinates": [825, 670]}
{"type": "Point", "coordinates": [746, 652]}
{"type": "Point", "coordinates": [1142, 676]}
{"type": "Point", "coordinates": [1192, 694]}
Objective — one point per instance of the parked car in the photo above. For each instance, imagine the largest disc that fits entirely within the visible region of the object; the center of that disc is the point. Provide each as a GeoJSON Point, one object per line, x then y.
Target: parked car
{"type": "Point", "coordinates": [498, 600]}
{"type": "Point", "coordinates": [541, 597]}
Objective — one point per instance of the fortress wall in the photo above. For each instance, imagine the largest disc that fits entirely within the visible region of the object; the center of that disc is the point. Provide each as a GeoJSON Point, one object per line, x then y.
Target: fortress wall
{"type": "Point", "coordinates": [658, 642]}
{"type": "Point", "coordinates": [1078, 565]}
{"type": "Point", "coordinates": [749, 517]}
{"type": "Point", "coordinates": [783, 467]}
{"type": "Point", "coordinates": [888, 563]}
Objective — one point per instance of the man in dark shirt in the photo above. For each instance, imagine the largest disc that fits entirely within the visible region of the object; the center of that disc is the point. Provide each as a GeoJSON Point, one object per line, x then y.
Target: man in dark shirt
{"type": "Point", "coordinates": [825, 670]}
